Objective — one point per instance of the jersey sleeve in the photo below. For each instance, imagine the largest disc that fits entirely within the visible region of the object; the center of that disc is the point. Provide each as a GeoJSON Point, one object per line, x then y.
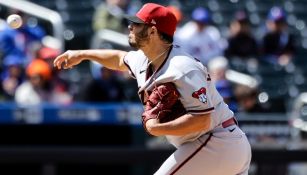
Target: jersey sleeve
{"type": "Point", "coordinates": [133, 60]}
{"type": "Point", "coordinates": [198, 95]}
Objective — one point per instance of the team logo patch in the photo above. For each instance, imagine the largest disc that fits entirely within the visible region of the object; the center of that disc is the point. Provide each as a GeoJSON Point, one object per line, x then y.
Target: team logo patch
{"type": "Point", "coordinates": [200, 95]}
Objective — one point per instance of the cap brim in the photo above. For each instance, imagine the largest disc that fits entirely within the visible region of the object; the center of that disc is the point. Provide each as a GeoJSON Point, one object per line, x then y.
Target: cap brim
{"type": "Point", "coordinates": [133, 19]}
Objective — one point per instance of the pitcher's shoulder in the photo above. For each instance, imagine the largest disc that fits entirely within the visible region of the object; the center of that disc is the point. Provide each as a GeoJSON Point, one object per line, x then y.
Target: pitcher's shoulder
{"type": "Point", "coordinates": [186, 63]}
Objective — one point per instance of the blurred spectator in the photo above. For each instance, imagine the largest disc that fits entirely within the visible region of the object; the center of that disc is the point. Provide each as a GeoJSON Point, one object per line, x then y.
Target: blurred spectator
{"type": "Point", "coordinates": [60, 87]}
{"type": "Point", "coordinates": [129, 86]}
{"type": "Point", "coordinates": [36, 90]}
{"type": "Point", "coordinates": [109, 15]}
{"type": "Point", "coordinates": [199, 37]}
{"type": "Point", "coordinates": [22, 42]}
{"type": "Point", "coordinates": [217, 68]}
{"type": "Point", "coordinates": [32, 34]}
{"type": "Point", "coordinates": [104, 87]}
{"type": "Point", "coordinates": [247, 99]}
{"type": "Point", "coordinates": [10, 44]}
{"type": "Point", "coordinates": [278, 46]}
{"type": "Point", "coordinates": [12, 77]}
{"type": "Point", "coordinates": [241, 42]}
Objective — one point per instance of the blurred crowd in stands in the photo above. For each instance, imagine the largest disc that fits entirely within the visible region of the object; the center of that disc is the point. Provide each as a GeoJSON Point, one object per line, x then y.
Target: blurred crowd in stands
{"type": "Point", "coordinates": [27, 75]}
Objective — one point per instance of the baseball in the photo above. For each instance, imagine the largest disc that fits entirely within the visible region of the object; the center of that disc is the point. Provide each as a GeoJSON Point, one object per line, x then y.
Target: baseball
{"type": "Point", "coordinates": [14, 21]}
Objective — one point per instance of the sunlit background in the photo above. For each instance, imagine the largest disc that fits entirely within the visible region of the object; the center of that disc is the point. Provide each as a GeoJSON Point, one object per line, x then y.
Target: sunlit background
{"type": "Point", "coordinates": [86, 120]}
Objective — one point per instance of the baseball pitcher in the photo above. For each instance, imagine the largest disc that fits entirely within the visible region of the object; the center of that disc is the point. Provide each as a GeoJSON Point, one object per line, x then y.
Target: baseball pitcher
{"type": "Point", "coordinates": [180, 101]}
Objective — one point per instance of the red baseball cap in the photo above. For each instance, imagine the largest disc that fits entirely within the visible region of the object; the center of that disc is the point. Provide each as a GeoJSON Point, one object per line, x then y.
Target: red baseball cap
{"type": "Point", "coordinates": [156, 15]}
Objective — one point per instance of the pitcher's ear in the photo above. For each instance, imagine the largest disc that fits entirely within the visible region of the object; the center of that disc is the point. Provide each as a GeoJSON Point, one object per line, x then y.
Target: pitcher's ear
{"type": "Point", "coordinates": [153, 30]}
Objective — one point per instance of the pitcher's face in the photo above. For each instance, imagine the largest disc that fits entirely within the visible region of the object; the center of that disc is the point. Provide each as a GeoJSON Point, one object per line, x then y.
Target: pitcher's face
{"type": "Point", "coordinates": [138, 36]}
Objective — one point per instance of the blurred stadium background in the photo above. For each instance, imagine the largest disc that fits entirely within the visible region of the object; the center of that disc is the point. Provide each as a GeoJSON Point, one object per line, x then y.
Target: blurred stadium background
{"type": "Point", "coordinates": [84, 135]}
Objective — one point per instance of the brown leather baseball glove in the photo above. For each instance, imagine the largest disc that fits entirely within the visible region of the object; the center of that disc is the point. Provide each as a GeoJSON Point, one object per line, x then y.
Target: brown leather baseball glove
{"type": "Point", "coordinates": [163, 104]}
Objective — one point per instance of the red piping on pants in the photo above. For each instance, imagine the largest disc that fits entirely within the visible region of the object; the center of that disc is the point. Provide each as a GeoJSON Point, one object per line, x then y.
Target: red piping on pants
{"type": "Point", "coordinates": [192, 155]}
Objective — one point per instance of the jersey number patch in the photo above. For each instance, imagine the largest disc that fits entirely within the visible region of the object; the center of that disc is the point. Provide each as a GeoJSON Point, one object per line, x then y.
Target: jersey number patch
{"type": "Point", "coordinates": [200, 95]}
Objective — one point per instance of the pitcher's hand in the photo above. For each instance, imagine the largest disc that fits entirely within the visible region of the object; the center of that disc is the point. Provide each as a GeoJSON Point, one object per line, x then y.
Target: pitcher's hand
{"type": "Point", "coordinates": [68, 59]}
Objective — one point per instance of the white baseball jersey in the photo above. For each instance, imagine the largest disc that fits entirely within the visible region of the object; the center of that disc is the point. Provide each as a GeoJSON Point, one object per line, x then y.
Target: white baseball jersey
{"type": "Point", "coordinates": [197, 153]}
{"type": "Point", "coordinates": [192, 80]}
